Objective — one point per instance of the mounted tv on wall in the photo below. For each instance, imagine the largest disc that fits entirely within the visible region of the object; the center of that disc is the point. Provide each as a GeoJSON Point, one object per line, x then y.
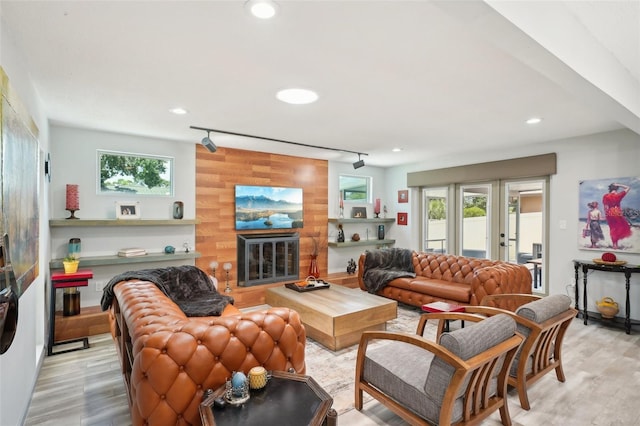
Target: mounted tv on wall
{"type": "Point", "coordinates": [268, 207]}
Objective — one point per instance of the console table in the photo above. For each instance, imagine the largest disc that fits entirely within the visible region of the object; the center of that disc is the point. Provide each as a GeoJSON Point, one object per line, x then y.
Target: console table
{"type": "Point", "coordinates": [586, 265]}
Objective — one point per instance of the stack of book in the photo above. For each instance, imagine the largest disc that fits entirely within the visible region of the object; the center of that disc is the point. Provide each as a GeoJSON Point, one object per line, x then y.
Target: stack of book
{"type": "Point", "coordinates": [132, 252]}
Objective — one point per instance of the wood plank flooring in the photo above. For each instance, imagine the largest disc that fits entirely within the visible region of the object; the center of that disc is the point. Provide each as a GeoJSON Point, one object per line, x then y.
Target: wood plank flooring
{"type": "Point", "coordinates": [602, 366]}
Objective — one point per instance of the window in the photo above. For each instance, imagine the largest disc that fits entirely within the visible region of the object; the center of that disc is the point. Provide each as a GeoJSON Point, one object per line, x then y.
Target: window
{"type": "Point", "coordinates": [136, 174]}
{"type": "Point", "coordinates": [355, 189]}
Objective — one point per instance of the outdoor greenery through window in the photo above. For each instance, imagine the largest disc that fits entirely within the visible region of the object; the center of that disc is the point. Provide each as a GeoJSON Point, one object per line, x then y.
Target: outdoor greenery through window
{"type": "Point", "coordinates": [135, 174]}
{"type": "Point", "coordinates": [355, 188]}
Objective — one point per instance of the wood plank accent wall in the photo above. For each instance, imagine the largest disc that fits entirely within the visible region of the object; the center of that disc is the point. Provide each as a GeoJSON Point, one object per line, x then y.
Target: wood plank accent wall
{"type": "Point", "coordinates": [218, 173]}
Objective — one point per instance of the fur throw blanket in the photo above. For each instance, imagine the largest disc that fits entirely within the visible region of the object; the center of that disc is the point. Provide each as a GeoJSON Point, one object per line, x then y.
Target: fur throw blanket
{"type": "Point", "coordinates": [187, 286]}
{"type": "Point", "coordinates": [385, 265]}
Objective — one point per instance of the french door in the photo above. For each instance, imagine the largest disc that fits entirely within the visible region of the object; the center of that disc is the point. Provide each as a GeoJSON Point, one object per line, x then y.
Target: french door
{"type": "Point", "coordinates": [504, 220]}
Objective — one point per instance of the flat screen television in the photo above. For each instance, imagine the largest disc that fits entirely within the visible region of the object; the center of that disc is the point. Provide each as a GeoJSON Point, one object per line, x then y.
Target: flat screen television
{"type": "Point", "coordinates": [268, 207]}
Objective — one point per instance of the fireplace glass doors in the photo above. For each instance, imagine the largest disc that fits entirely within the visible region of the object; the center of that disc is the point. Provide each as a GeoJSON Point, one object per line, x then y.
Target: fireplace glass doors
{"type": "Point", "coordinates": [267, 258]}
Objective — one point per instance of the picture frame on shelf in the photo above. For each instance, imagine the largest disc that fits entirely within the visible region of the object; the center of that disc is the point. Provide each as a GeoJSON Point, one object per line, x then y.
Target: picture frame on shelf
{"type": "Point", "coordinates": [403, 218]}
{"type": "Point", "coordinates": [359, 212]}
{"type": "Point", "coordinates": [128, 210]}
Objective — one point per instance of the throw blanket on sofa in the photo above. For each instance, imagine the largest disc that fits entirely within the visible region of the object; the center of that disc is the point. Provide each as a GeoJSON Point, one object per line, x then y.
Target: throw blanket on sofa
{"type": "Point", "coordinates": [385, 265]}
{"type": "Point", "coordinates": [189, 287]}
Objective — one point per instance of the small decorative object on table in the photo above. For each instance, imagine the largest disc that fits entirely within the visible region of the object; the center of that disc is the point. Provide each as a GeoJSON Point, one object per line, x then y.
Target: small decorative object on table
{"type": "Point", "coordinates": [607, 307]}
{"type": "Point", "coordinates": [340, 234]}
{"type": "Point", "coordinates": [237, 389]}
{"type": "Point", "coordinates": [355, 237]}
{"type": "Point", "coordinates": [609, 259]}
{"type": "Point", "coordinates": [351, 267]}
{"type": "Point", "coordinates": [258, 378]}
{"type": "Point", "coordinates": [310, 284]}
{"type": "Point", "coordinates": [169, 249]}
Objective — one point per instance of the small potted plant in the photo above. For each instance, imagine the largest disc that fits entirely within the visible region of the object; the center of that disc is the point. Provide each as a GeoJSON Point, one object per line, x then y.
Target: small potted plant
{"type": "Point", "coordinates": [70, 263]}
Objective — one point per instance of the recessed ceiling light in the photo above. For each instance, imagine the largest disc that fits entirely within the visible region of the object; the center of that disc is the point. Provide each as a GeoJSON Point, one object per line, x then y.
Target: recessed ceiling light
{"type": "Point", "coordinates": [297, 96]}
{"type": "Point", "coordinates": [178, 111]}
{"type": "Point", "coordinates": [534, 120]}
{"type": "Point", "coordinates": [396, 149]}
{"type": "Point", "coordinates": [263, 9]}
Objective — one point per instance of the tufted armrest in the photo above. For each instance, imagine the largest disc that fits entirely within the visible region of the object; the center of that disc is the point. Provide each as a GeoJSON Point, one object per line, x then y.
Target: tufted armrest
{"type": "Point", "coordinates": [175, 359]}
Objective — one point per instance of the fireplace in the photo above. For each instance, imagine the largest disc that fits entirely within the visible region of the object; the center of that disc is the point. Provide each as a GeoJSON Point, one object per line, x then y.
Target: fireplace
{"type": "Point", "coordinates": [267, 258]}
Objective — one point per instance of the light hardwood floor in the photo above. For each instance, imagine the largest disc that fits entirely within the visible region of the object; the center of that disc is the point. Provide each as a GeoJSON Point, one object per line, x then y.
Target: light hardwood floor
{"type": "Point", "coordinates": [602, 366]}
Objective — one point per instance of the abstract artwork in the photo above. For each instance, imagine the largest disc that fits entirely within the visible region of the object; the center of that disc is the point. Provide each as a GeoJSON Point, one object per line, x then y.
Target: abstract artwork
{"type": "Point", "coordinates": [609, 215]}
{"type": "Point", "coordinates": [19, 183]}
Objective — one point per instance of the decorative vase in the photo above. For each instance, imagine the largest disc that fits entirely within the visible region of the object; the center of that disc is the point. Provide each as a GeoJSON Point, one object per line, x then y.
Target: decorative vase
{"type": "Point", "coordinates": [313, 267]}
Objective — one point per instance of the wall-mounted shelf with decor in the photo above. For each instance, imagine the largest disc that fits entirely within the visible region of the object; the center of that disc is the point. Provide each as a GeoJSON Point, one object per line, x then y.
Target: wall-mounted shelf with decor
{"type": "Point", "coordinates": [362, 243]}
{"type": "Point", "coordinates": [363, 221]}
{"type": "Point", "coordinates": [359, 221]}
{"type": "Point", "coordinates": [119, 260]}
{"type": "Point", "coordinates": [88, 261]}
{"type": "Point", "coordinates": [55, 223]}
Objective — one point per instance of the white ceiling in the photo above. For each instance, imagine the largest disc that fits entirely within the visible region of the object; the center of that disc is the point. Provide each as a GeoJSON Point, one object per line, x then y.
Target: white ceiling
{"type": "Point", "coordinates": [432, 78]}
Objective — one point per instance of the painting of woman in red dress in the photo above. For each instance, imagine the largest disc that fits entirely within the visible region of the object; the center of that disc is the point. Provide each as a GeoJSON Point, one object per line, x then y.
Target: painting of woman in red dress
{"type": "Point", "coordinates": [618, 224]}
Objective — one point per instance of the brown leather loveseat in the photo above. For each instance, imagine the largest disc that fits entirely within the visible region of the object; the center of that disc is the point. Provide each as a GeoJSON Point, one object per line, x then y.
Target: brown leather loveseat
{"type": "Point", "coordinates": [452, 279]}
{"type": "Point", "coordinates": [169, 360]}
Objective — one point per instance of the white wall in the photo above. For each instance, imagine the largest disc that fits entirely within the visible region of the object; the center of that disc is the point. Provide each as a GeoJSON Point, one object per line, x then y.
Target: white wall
{"type": "Point", "coordinates": [338, 257]}
{"type": "Point", "coordinates": [19, 365]}
{"type": "Point", "coordinates": [71, 144]}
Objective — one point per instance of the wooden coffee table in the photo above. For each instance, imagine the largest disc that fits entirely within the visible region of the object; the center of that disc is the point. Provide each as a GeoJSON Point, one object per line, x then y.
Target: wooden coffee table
{"type": "Point", "coordinates": [336, 317]}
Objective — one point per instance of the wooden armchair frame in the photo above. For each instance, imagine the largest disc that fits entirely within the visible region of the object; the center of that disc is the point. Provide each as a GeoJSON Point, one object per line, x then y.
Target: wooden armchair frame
{"type": "Point", "coordinates": [478, 404]}
{"type": "Point", "coordinates": [543, 345]}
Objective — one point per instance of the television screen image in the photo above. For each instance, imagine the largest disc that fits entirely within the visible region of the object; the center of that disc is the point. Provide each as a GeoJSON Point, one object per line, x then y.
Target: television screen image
{"type": "Point", "coordinates": [268, 207]}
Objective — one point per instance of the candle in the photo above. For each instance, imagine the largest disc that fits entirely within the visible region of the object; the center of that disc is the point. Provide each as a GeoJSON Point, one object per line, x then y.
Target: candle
{"type": "Point", "coordinates": [73, 200]}
{"type": "Point", "coordinates": [377, 208]}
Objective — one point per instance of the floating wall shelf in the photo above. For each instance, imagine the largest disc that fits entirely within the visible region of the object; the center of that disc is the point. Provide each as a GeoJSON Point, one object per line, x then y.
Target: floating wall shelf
{"type": "Point", "coordinates": [356, 220]}
{"type": "Point", "coordinates": [362, 243]}
{"type": "Point", "coordinates": [55, 223]}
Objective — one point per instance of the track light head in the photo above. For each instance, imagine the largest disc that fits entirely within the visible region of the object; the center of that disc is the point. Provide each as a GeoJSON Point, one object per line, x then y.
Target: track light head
{"type": "Point", "coordinates": [208, 143]}
{"type": "Point", "coordinates": [359, 163]}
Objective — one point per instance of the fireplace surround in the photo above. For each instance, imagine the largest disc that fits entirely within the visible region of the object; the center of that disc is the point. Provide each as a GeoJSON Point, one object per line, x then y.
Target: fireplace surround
{"type": "Point", "coordinates": [268, 258]}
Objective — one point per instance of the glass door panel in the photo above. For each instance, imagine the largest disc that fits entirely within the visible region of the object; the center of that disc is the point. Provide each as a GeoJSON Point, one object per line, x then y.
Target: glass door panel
{"type": "Point", "coordinates": [474, 211]}
{"type": "Point", "coordinates": [523, 224]}
{"type": "Point", "coordinates": [436, 226]}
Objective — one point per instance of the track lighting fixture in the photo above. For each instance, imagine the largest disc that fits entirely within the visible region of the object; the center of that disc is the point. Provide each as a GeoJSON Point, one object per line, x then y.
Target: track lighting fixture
{"type": "Point", "coordinates": [208, 143]}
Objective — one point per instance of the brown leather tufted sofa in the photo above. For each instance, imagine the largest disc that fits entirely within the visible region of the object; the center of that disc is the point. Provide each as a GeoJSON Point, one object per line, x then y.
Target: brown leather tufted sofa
{"type": "Point", "coordinates": [169, 360]}
{"type": "Point", "coordinates": [454, 279]}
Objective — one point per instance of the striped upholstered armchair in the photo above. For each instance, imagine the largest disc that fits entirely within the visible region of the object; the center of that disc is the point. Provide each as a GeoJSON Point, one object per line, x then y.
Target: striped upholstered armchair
{"type": "Point", "coordinates": [461, 379]}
